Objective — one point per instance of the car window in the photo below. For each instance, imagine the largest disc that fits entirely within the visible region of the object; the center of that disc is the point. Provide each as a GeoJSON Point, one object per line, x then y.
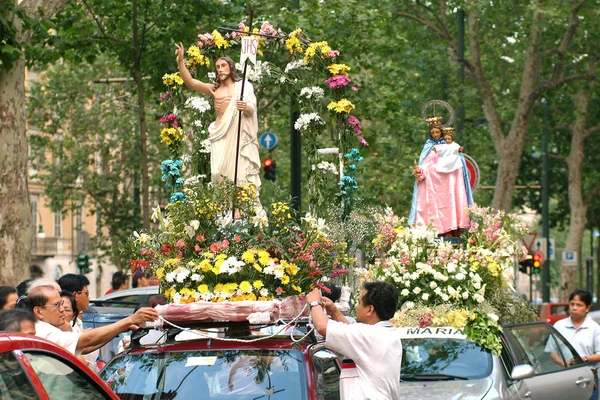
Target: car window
{"type": "Point", "coordinates": [209, 374]}
{"type": "Point", "coordinates": [562, 310]}
{"type": "Point", "coordinates": [542, 347]}
{"type": "Point", "coordinates": [61, 381]}
{"type": "Point", "coordinates": [328, 375]}
{"type": "Point", "coordinates": [14, 383]}
{"type": "Point", "coordinates": [130, 301]}
{"type": "Point", "coordinates": [427, 357]}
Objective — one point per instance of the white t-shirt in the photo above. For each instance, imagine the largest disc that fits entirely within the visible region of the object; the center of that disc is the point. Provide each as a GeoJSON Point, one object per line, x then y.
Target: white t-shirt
{"type": "Point", "coordinates": [68, 340]}
{"type": "Point", "coordinates": [585, 339]}
{"type": "Point", "coordinates": [377, 352]}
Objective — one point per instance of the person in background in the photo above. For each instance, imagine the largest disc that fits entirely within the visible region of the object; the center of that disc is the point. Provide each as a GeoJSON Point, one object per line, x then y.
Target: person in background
{"type": "Point", "coordinates": [582, 332]}
{"type": "Point", "coordinates": [8, 297]}
{"type": "Point", "coordinates": [23, 286]}
{"type": "Point", "coordinates": [119, 282]}
{"type": "Point", "coordinates": [42, 282]}
{"type": "Point", "coordinates": [17, 320]}
{"type": "Point", "coordinates": [335, 295]}
{"type": "Point", "coordinates": [71, 311]}
{"type": "Point", "coordinates": [79, 286]}
{"type": "Point", "coordinates": [143, 279]}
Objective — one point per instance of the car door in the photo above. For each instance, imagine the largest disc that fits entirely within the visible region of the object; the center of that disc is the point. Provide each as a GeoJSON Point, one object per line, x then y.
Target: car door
{"type": "Point", "coordinates": [326, 373]}
{"type": "Point", "coordinates": [534, 344]}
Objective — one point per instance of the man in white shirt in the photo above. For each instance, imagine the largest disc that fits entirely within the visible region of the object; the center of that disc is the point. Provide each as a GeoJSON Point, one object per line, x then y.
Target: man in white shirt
{"type": "Point", "coordinates": [372, 344]}
{"type": "Point", "coordinates": [47, 306]}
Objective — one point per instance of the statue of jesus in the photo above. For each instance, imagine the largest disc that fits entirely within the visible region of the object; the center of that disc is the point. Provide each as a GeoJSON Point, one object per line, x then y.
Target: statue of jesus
{"type": "Point", "coordinates": [223, 132]}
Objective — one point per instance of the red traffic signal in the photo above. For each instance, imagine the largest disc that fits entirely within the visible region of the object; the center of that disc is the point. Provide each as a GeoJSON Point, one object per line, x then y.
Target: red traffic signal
{"type": "Point", "coordinates": [267, 162]}
{"type": "Point", "coordinates": [269, 169]}
{"type": "Point", "coordinates": [537, 262]}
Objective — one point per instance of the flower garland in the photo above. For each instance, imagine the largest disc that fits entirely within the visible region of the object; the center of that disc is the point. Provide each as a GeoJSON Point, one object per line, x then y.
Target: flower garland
{"type": "Point", "coordinates": [313, 73]}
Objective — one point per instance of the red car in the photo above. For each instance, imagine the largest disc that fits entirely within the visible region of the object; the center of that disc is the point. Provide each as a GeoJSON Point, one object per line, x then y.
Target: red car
{"type": "Point", "coordinates": [237, 367]}
{"type": "Point", "coordinates": [34, 368]}
{"type": "Point", "coordinates": [552, 312]}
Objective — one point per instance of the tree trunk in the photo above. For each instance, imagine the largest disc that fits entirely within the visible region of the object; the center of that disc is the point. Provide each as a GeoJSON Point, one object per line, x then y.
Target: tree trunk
{"type": "Point", "coordinates": [577, 205]}
{"type": "Point", "coordinates": [16, 221]}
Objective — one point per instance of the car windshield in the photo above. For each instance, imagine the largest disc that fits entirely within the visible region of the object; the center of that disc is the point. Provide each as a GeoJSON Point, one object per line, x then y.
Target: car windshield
{"type": "Point", "coordinates": [443, 359]}
{"type": "Point", "coordinates": [214, 374]}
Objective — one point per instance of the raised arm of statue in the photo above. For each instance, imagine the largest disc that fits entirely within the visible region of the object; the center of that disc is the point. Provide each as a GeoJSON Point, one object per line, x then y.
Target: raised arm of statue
{"type": "Point", "coordinates": [189, 81]}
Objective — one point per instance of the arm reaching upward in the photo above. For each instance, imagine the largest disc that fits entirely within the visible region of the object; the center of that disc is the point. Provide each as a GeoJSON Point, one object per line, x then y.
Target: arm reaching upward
{"type": "Point", "coordinates": [190, 82]}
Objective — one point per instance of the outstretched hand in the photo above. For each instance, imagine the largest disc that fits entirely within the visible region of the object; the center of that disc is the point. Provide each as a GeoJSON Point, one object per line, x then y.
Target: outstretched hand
{"type": "Point", "coordinates": [179, 51]}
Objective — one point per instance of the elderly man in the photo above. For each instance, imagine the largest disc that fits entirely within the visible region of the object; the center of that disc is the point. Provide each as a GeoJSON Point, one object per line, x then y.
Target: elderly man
{"type": "Point", "coordinates": [47, 306]}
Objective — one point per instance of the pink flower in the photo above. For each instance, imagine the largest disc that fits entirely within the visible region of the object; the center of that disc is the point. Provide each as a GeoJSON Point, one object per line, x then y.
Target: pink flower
{"type": "Point", "coordinates": [362, 141]}
{"type": "Point", "coordinates": [169, 119]}
{"type": "Point", "coordinates": [267, 29]}
{"type": "Point", "coordinates": [180, 243]}
{"type": "Point", "coordinates": [279, 291]}
{"type": "Point", "coordinates": [337, 81]}
{"type": "Point", "coordinates": [165, 96]}
{"type": "Point", "coordinates": [197, 249]}
{"type": "Point", "coordinates": [333, 53]}
{"type": "Point", "coordinates": [355, 89]}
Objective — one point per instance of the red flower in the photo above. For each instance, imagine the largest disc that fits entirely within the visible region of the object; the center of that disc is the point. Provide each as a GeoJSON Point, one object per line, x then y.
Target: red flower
{"type": "Point", "coordinates": [197, 249]}
{"type": "Point", "coordinates": [238, 238]}
{"type": "Point", "coordinates": [200, 238]}
{"type": "Point", "coordinates": [180, 243]}
{"type": "Point", "coordinates": [214, 247]}
{"type": "Point", "coordinates": [279, 291]}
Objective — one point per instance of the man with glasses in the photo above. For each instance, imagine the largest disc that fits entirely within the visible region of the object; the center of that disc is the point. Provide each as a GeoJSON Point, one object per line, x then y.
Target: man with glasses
{"type": "Point", "coordinates": [79, 286]}
{"type": "Point", "coordinates": [47, 306]}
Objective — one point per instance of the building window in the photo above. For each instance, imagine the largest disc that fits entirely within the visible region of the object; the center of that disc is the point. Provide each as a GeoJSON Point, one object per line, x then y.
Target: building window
{"type": "Point", "coordinates": [57, 224]}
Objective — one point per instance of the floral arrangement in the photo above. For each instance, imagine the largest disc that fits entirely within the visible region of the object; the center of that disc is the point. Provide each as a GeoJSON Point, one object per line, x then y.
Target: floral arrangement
{"type": "Point", "coordinates": [440, 284]}
{"type": "Point", "coordinates": [201, 253]}
{"type": "Point", "coordinates": [311, 70]}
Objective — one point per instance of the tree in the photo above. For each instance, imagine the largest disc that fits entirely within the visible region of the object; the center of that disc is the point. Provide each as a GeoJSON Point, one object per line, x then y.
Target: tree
{"type": "Point", "coordinates": [16, 222]}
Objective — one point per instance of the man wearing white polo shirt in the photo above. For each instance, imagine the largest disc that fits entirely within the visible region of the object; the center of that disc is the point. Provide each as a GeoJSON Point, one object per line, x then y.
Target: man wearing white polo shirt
{"type": "Point", "coordinates": [372, 344]}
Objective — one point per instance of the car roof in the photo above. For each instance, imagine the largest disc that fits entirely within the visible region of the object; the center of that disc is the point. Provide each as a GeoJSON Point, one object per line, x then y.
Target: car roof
{"type": "Point", "coordinates": [130, 292]}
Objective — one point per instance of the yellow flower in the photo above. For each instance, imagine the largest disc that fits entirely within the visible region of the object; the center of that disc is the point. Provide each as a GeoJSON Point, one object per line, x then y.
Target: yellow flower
{"type": "Point", "coordinates": [172, 79]}
{"type": "Point", "coordinates": [171, 135]}
{"type": "Point", "coordinates": [339, 69]}
{"type": "Point", "coordinates": [264, 257]}
{"type": "Point", "coordinates": [205, 265]}
{"type": "Point", "coordinates": [257, 284]}
{"type": "Point", "coordinates": [196, 57]}
{"type": "Point", "coordinates": [291, 269]}
{"type": "Point", "coordinates": [297, 288]}
{"type": "Point", "coordinates": [245, 287]}
{"type": "Point", "coordinates": [293, 44]}
{"type": "Point", "coordinates": [251, 297]}
{"type": "Point", "coordinates": [257, 267]}
{"type": "Point", "coordinates": [216, 270]}
{"type": "Point", "coordinates": [248, 256]}
{"type": "Point", "coordinates": [187, 292]}
{"type": "Point", "coordinates": [169, 293]}
{"type": "Point", "coordinates": [160, 273]}
{"type": "Point", "coordinates": [219, 40]}
{"type": "Point", "coordinates": [285, 279]}
{"type": "Point", "coordinates": [312, 48]}
{"type": "Point", "coordinates": [344, 105]}
{"type": "Point", "coordinates": [208, 255]}
{"type": "Point", "coordinates": [203, 288]}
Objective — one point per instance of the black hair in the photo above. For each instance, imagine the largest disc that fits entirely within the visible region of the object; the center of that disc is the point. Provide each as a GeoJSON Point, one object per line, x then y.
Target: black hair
{"type": "Point", "coordinates": [71, 297]}
{"type": "Point", "coordinates": [335, 292]}
{"type": "Point", "coordinates": [383, 297]}
{"type": "Point", "coordinates": [10, 320]}
{"type": "Point", "coordinates": [583, 295]}
{"type": "Point", "coordinates": [23, 286]}
{"type": "Point", "coordinates": [4, 292]}
{"type": "Point", "coordinates": [118, 280]}
{"type": "Point", "coordinates": [73, 282]}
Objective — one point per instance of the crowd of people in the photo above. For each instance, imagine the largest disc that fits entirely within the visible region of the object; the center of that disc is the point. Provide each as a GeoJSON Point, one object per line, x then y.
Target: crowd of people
{"type": "Point", "coordinates": [52, 310]}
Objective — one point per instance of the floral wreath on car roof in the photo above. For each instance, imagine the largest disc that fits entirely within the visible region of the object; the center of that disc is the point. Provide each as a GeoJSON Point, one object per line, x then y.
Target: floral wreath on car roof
{"type": "Point", "coordinates": [441, 284]}
{"type": "Point", "coordinates": [321, 84]}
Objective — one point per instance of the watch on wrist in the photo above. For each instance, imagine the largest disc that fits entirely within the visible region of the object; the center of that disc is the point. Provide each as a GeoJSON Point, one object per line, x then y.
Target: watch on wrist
{"type": "Point", "coordinates": [314, 303]}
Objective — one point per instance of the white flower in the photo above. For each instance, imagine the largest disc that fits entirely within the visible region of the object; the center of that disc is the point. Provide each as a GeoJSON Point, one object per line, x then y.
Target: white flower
{"type": "Point", "coordinates": [494, 317]}
{"type": "Point", "coordinates": [465, 295]}
{"type": "Point", "coordinates": [298, 64]}
{"type": "Point", "coordinates": [417, 290]}
{"type": "Point", "coordinates": [451, 267]}
{"type": "Point", "coordinates": [451, 291]}
{"type": "Point", "coordinates": [459, 276]}
{"type": "Point", "coordinates": [438, 291]}
{"type": "Point", "coordinates": [478, 298]}
{"type": "Point", "coordinates": [327, 167]}
{"type": "Point", "coordinates": [263, 292]}
{"type": "Point", "coordinates": [305, 121]}
{"type": "Point", "coordinates": [409, 305]}
{"type": "Point", "coordinates": [404, 292]}
{"type": "Point", "coordinates": [142, 238]}
{"type": "Point", "coordinates": [205, 146]}
{"type": "Point", "coordinates": [445, 297]}
{"type": "Point", "coordinates": [433, 285]}
{"type": "Point", "coordinates": [314, 92]}
{"type": "Point", "coordinates": [156, 214]}
{"type": "Point", "coordinates": [176, 298]}
{"type": "Point", "coordinates": [255, 73]}
{"type": "Point", "coordinates": [212, 76]}
{"type": "Point", "coordinates": [425, 296]}
{"type": "Point", "coordinates": [170, 276]}
{"type": "Point", "coordinates": [196, 277]}
{"type": "Point", "coordinates": [182, 274]}
{"type": "Point", "coordinates": [198, 103]}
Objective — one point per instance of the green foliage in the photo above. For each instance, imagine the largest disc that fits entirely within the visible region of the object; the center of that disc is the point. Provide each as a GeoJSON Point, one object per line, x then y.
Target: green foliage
{"type": "Point", "coordinates": [484, 330]}
{"type": "Point", "coordinates": [11, 17]}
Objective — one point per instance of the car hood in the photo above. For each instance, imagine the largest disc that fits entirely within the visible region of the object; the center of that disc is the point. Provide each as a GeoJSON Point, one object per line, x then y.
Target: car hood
{"type": "Point", "coordinates": [445, 390]}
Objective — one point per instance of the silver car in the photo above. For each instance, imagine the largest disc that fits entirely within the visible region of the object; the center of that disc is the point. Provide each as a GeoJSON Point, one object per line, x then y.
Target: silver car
{"type": "Point", "coordinates": [440, 363]}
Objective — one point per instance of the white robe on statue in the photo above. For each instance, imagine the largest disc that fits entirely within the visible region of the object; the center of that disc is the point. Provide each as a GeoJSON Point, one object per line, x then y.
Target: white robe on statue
{"type": "Point", "coordinates": [223, 139]}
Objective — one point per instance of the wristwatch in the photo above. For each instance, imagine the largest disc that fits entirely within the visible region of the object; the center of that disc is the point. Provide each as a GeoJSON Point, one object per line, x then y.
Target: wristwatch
{"type": "Point", "coordinates": [314, 303]}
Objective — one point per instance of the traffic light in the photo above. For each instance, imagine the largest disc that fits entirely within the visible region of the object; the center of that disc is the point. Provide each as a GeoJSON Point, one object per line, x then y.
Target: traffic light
{"type": "Point", "coordinates": [526, 264]}
{"type": "Point", "coordinates": [269, 167]}
{"type": "Point", "coordinates": [83, 263]}
{"type": "Point", "coordinates": [537, 262]}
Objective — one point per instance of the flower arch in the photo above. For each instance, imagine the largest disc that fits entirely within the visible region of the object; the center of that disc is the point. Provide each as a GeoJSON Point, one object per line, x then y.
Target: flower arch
{"type": "Point", "coordinates": [311, 70]}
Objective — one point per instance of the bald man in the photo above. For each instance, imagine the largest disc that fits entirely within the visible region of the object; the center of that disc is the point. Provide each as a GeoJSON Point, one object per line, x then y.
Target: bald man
{"type": "Point", "coordinates": [47, 306]}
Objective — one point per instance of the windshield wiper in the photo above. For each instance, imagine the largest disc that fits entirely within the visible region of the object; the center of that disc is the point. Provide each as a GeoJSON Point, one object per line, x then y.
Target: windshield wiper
{"type": "Point", "coordinates": [432, 377]}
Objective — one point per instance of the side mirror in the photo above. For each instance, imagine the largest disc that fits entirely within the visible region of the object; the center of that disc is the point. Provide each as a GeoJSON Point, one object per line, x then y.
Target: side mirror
{"type": "Point", "coordinates": [522, 371]}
